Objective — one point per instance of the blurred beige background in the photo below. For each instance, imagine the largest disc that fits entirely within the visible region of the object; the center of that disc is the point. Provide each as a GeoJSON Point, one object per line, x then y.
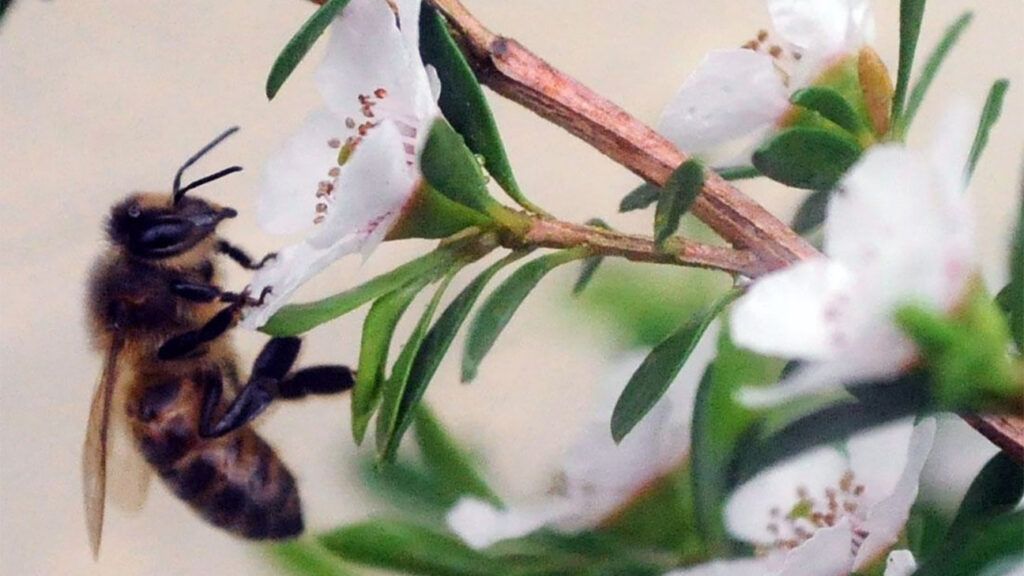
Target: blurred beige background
{"type": "Point", "coordinates": [103, 97]}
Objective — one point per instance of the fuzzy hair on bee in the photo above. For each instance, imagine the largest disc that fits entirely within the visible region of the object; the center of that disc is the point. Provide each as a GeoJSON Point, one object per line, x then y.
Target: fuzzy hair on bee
{"type": "Point", "coordinates": [170, 378]}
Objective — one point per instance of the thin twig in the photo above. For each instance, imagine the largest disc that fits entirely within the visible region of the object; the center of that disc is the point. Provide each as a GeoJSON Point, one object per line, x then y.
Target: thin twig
{"type": "Point", "coordinates": [557, 234]}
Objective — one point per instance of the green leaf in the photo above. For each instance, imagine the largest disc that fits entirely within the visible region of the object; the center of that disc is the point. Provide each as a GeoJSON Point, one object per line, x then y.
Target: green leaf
{"type": "Point", "coordinates": [876, 404]}
{"type": "Point", "coordinates": [405, 547]}
{"type": "Point", "coordinates": [408, 489]}
{"type": "Point", "coordinates": [300, 44]}
{"type": "Point", "coordinates": [989, 116]}
{"type": "Point", "coordinates": [677, 195]}
{"type": "Point", "coordinates": [499, 307]}
{"type": "Point", "coordinates": [911, 15]}
{"type": "Point", "coordinates": [388, 433]}
{"type": "Point", "coordinates": [1015, 289]}
{"type": "Point", "coordinates": [811, 158]}
{"type": "Point", "coordinates": [464, 104]}
{"type": "Point", "coordinates": [295, 319]}
{"type": "Point", "coordinates": [830, 104]}
{"type": "Point", "coordinates": [720, 427]}
{"type": "Point", "coordinates": [812, 212]}
{"type": "Point", "coordinates": [450, 167]}
{"type": "Point", "coordinates": [591, 264]}
{"type": "Point", "coordinates": [640, 197]}
{"type": "Point", "coordinates": [738, 172]}
{"type": "Point", "coordinates": [996, 490]}
{"type": "Point", "coordinates": [378, 328]}
{"type": "Point", "coordinates": [439, 339]}
{"type": "Point", "coordinates": [991, 549]}
{"type": "Point", "coordinates": [307, 558]}
{"type": "Point", "coordinates": [931, 68]}
{"type": "Point", "coordinates": [448, 462]}
{"type": "Point", "coordinates": [660, 368]}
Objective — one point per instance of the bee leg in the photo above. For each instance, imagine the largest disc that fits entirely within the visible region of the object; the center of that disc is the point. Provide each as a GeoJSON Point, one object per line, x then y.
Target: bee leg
{"type": "Point", "coordinates": [186, 342]}
{"type": "Point", "coordinates": [241, 256]}
{"type": "Point", "coordinates": [195, 292]}
{"type": "Point", "coordinates": [316, 380]}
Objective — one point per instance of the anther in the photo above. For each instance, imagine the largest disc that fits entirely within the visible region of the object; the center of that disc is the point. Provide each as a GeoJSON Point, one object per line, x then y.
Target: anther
{"type": "Point", "coordinates": [350, 123]}
{"type": "Point", "coordinates": [334, 143]}
{"type": "Point", "coordinates": [380, 93]}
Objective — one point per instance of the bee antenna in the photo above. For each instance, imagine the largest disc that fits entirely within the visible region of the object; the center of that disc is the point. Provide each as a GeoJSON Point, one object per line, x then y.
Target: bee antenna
{"type": "Point", "coordinates": [178, 191]}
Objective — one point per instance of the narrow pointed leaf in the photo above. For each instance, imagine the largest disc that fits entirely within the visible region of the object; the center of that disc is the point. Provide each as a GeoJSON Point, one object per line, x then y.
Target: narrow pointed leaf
{"type": "Point", "coordinates": [660, 368]}
{"type": "Point", "coordinates": [993, 548]}
{"type": "Point", "coordinates": [677, 195]}
{"type": "Point", "coordinates": [1014, 291]}
{"type": "Point", "coordinates": [300, 44]}
{"type": "Point", "coordinates": [452, 170]}
{"type": "Point", "coordinates": [911, 15]}
{"type": "Point", "coordinates": [640, 197]}
{"type": "Point", "coordinates": [306, 558]}
{"type": "Point", "coordinates": [931, 69]}
{"type": "Point", "coordinates": [830, 104]}
{"type": "Point", "coordinates": [437, 342]}
{"type": "Point", "coordinates": [499, 307]}
{"type": "Point", "coordinates": [811, 158]}
{"type": "Point", "coordinates": [738, 172]}
{"type": "Point", "coordinates": [996, 490]}
{"type": "Point", "coordinates": [378, 328]}
{"type": "Point", "coordinates": [989, 116]}
{"type": "Point", "coordinates": [812, 212]}
{"type": "Point", "coordinates": [408, 548]}
{"type": "Point", "coordinates": [387, 435]}
{"type": "Point", "coordinates": [298, 318]}
{"type": "Point", "coordinates": [447, 461]}
{"type": "Point", "coordinates": [590, 265]}
{"type": "Point", "coordinates": [464, 104]}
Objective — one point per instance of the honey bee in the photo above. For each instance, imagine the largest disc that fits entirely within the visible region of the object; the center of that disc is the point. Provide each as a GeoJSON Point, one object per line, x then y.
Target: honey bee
{"type": "Point", "coordinates": [157, 314]}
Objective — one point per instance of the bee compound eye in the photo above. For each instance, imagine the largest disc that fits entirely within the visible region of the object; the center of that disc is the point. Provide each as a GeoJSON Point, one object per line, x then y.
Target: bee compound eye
{"type": "Point", "coordinates": [134, 211]}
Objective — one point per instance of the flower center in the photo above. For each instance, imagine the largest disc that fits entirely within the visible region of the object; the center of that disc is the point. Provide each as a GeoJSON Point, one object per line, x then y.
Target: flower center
{"type": "Point", "coordinates": [784, 58]}
{"type": "Point", "coordinates": [811, 513]}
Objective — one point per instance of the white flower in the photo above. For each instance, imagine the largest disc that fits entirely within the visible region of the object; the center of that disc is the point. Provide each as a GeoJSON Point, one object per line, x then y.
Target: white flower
{"type": "Point", "coordinates": [380, 102]}
{"type": "Point", "coordinates": [599, 477]}
{"type": "Point", "coordinates": [738, 95]}
{"type": "Point", "coordinates": [830, 513]}
{"type": "Point", "coordinates": [899, 231]}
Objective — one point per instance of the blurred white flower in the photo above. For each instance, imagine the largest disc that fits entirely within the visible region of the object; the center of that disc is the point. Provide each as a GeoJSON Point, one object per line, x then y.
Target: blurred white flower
{"type": "Point", "coordinates": [830, 513]}
{"type": "Point", "coordinates": [345, 177]}
{"type": "Point", "coordinates": [899, 231]}
{"type": "Point", "coordinates": [598, 477]}
{"type": "Point", "coordinates": [742, 93]}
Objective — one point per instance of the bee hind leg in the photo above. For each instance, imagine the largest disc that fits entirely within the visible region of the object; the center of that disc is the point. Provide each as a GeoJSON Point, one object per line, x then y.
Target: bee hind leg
{"type": "Point", "coordinates": [270, 381]}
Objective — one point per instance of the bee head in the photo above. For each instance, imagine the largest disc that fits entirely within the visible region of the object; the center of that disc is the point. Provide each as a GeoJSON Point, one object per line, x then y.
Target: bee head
{"type": "Point", "coordinates": [148, 226]}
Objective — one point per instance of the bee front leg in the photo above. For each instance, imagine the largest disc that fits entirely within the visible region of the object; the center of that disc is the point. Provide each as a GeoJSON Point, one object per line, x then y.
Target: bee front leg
{"type": "Point", "coordinates": [241, 256]}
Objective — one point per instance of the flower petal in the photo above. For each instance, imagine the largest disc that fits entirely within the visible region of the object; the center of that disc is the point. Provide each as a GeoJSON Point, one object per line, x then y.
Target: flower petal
{"type": "Point", "coordinates": [886, 520]}
{"type": "Point", "coordinates": [827, 553]}
{"type": "Point", "coordinates": [370, 191]}
{"type": "Point", "coordinates": [292, 267]}
{"type": "Point", "coordinates": [287, 202]}
{"type": "Point", "coordinates": [732, 93]}
{"type": "Point", "coordinates": [480, 524]}
{"type": "Point", "coordinates": [900, 563]}
{"type": "Point", "coordinates": [368, 56]}
{"type": "Point", "coordinates": [797, 312]}
{"type": "Point", "coordinates": [878, 458]}
{"type": "Point", "coordinates": [748, 512]}
{"type": "Point", "coordinates": [823, 28]}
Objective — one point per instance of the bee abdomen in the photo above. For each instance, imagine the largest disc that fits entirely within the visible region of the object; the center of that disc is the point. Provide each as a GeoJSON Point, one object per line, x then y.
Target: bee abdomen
{"type": "Point", "coordinates": [235, 482]}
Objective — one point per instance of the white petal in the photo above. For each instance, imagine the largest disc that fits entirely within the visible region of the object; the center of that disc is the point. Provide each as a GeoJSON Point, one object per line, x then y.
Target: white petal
{"type": "Point", "coordinates": [744, 567]}
{"type": "Point", "coordinates": [370, 191]}
{"type": "Point", "coordinates": [878, 457]}
{"type": "Point", "coordinates": [821, 27]}
{"type": "Point", "coordinates": [900, 563]}
{"type": "Point", "coordinates": [749, 511]}
{"type": "Point", "coordinates": [827, 553]}
{"type": "Point", "coordinates": [366, 53]}
{"type": "Point", "coordinates": [885, 520]}
{"type": "Point", "coordinates": [731, 93]}
{"type": "Point", "coordinates": [292, 267]}
{"type": "Point", "coordinates": [287, 199]}
{"type": "Point", "coordinates": [480, 524]}
{"type": "Point", "coordinates": [798, 312]}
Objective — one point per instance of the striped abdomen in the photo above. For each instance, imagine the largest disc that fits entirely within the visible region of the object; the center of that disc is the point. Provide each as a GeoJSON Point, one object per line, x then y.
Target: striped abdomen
{"type": "Point", "coordinates": [235, 482]}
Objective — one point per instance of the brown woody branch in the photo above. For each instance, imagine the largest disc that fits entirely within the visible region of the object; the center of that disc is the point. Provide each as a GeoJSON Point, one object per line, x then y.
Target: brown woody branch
{"type": "Point", "coordinates": [514, 72]}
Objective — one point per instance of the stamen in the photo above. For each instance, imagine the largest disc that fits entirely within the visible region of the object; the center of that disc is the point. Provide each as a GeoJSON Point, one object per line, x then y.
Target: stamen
{"type": "Point", "coordinates": [334, 143]}
{"type": "Point", "coordinates": [380, 93]}
{"type": "Point", "coordinates": [350, 123]}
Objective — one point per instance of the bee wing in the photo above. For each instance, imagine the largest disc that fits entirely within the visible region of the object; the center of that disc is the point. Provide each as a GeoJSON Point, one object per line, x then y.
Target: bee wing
{"type": "Point", "coordinates": [129, 482]}
{"type": "Point", "coordinates": [94, 452]}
